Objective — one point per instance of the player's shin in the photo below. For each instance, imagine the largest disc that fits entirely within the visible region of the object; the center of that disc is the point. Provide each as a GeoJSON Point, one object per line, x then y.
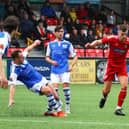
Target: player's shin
{"type": "Point", "coordinates": [67, 95]}
{"type": "Point", "coordinates": [52, 103]}
{"type": "Point", "coordinates": [58, 99]}
{"type": "Point", "coordinates": [121, 97]}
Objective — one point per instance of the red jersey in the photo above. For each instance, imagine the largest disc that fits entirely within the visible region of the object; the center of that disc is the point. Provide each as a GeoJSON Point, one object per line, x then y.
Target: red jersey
{"type": "Point", "coordinates": [117, 50]}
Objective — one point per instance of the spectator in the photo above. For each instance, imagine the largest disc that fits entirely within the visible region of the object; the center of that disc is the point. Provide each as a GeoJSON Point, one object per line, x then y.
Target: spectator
{"type": "Point", "coordinates": [81, 12]}
{"type": "Point", "coordinates": [40, 32]}
{"type": "Point", "coordinates": [75, 39]}
{"type": "Point", "coordinates": [102, 16]}
{"type": "Point", "coordinates": [93, 28]}
{"type": "Point", "coordinates": [42, 18]}
{"type": "Point", "coordinates": [2, 11]}
{"type": "Point", "coordinates": [85, 27]}
{"type": "Point", "coordinates": [34, 20]}
{"type": "Point", "coordinates": [48, 10]}
{"type": "Point", "coordinates": [65, 14]}
{"type": "Point", "coordinates": [111, 19]}
{"type": "Point", "coordinates": [24, 4]}
{"type": "Point", "coordinates": [8, 3]}
{"type": "Point", "coordinates": [20, 13]}
{"type": "Point", "coordinates": [104, 34]}
{"type": "Point", "coordinates": [83, 38]}
{"type": "Point", "coordinates": [91, 13]}
{"type": "Point", "coordinates": [27, 26]}
{"type": "Point", "coordinates": [73, 14]}
{"type": "Point", "coordinates": [11, 11]}
{"type": "Point", "coordinates": [110, 32]}
{"type": "Point", "coordinates": [99, 29]}
{"type": "Point", "coordinates": [69, 25]}
{"type": "Point", "coordinates": [90, 37]}
{"type": "Point", "coordinates": [124, 22]}
{"type": "Point", "coordinates": [115, 29]}
{"type": "Point", "coordinates": [77, 25]}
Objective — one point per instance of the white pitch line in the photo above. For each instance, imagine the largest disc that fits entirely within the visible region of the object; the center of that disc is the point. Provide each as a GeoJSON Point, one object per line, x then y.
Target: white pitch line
{"type": "Point", "coordinates": [86, 123]}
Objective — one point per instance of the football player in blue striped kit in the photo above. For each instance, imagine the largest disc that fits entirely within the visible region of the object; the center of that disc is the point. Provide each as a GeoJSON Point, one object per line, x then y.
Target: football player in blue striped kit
{"type": "Point", "coordinates": [10, 27]}
{"type": "Point", "coordinates": [57, 54]}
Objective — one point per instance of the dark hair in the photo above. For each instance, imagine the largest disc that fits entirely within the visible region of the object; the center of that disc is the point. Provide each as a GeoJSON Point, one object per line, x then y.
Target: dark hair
{"type": "Point", "coordinates": [58, 28]}
{"type": "Point", "coordinates": [123, 28]}
{"type": "Point", "coordinates": [15, 54]}
{"type": "Point", "coordinates": [10, 23]}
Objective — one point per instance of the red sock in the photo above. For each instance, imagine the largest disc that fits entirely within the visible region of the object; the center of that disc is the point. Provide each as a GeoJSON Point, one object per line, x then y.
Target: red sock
{"type": "Point", "coordinates": [105, 94]}
{"type": "Point", "coordinates": [122, 96]}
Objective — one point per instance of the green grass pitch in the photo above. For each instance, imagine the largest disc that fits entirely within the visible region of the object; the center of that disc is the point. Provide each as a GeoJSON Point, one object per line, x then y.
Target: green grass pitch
{"type": "Point", "coordinates": [27, 112]}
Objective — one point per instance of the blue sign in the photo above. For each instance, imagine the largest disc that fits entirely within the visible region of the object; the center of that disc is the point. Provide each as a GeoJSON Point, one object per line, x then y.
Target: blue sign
{"type": "Point", "coordinates": [83, 1]}
{"type": "Point", "coordinates": [40, 65]}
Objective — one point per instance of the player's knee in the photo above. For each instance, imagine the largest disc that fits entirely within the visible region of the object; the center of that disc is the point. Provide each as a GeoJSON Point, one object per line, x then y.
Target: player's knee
{"type": "Point", "coordinates": [107, 91]}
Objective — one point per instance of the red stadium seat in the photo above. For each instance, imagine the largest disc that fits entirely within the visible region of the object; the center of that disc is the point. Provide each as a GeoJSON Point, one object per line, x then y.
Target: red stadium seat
{"type": "Point", "coordinates": [90, 52]}
{"type": "Point", "coordinates": [51, 21]}
{"type": "Point", "coordinates": [10, 50]}
{"type": "Point", "coordinates": [106, 51]}
{"type": "Point", "coordinates": [99, 52]}
{"type": "Point", "coordinates": [85, 20]}
{"type": "Point", "coordinates": [80, 52]}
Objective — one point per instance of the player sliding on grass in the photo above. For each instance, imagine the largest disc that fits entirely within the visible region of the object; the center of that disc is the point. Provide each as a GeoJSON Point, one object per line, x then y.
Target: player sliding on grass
{"type": "Point", "coordinates": [21, 70]}
{"type": "Point", "coordinates": [116, 64]}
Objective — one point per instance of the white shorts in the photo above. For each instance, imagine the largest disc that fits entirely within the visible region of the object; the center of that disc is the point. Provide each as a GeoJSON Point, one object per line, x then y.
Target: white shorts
{"type": "Point", "coordinates": [63, 77]}
{"type": "Point", "coordinates": [37, 87]}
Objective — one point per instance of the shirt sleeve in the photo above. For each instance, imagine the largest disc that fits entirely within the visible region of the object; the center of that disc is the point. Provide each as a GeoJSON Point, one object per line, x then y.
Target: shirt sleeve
{"type": "Point", "coordinates": [48, 53]}
{"type": "Point", "coordinates": [71, 50]}
{"type": "Point", "coordinates": [3, 46]}
{"type": "Point", "coordinates": [13, 79]}
{"type": "Point", "coordinates": [107, 39]}
{"type": "Point", "coordinates": [25, 53]}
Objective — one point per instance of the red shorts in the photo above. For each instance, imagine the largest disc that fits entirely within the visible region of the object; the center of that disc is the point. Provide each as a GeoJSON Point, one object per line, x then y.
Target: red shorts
{"type": "Point", "coordinates": [111, 71]}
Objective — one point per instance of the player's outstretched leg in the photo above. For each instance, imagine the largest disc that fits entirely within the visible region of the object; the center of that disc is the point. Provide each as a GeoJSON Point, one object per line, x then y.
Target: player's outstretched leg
{"type": "Point", "coordinates": [52, 104]}
{"type": "Point", "coordinates": [123, 82]}
{"type": "Point", "coordinates": [121, 98]}
{"type": "Point", "coordinates": [67, 95]}
{"type": "Point", "coordinates": [105, 92]}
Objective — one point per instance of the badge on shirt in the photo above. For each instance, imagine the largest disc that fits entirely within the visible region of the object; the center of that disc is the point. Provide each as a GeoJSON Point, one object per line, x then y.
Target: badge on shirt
{"type": "Point", "coordinates": [1, 46]}
{"type": "Point", "coordinates": [65, 46]}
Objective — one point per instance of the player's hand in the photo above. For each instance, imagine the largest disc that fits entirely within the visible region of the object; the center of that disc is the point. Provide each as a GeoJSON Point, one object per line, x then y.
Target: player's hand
{"type": "Point", "coordinates": [88, 45]}
{"type": "Point", "coordinates": [70, 68]}
{"type": "Point", "coordinates": [37, 42]}
{"type": "Point", "coordinates": [10, 103]}
{"type": "Point", "coordinates": [4, 83]}
{"type": "Point", "coordinates": [54, 63]}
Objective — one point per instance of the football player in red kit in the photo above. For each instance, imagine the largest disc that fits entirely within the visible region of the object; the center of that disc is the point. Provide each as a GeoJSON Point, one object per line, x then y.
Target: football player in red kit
{"type": "Point", "coordinates": [116, 65]}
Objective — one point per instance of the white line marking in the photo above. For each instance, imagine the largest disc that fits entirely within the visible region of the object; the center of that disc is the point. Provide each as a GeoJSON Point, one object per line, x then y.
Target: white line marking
{"type": "Point", "coordinates": [86, 123]}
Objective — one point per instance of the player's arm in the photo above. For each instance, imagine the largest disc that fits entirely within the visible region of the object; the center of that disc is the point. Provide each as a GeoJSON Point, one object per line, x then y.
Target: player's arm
{"type": "Point", "coordinates": [48, 59]}
{"type": "Point", "coordinates": [73, 54]}
{"type": "Point", "coordinates": [12, 83]}
{"type": "Point", "coordinates": [3, 80]}
{"type": "Point", "coordinates": [11, 95]}
{"type": "Point", "coordinates": [94, 44]}
{"type": "Point", "coordinates": [29, 48]}
{"type": "Point", "coordinates": [98, 42]}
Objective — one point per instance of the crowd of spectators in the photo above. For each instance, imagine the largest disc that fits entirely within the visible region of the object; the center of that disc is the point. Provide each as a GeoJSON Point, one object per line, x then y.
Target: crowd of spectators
{"type": "Point", "coordinates": [81, 24]}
